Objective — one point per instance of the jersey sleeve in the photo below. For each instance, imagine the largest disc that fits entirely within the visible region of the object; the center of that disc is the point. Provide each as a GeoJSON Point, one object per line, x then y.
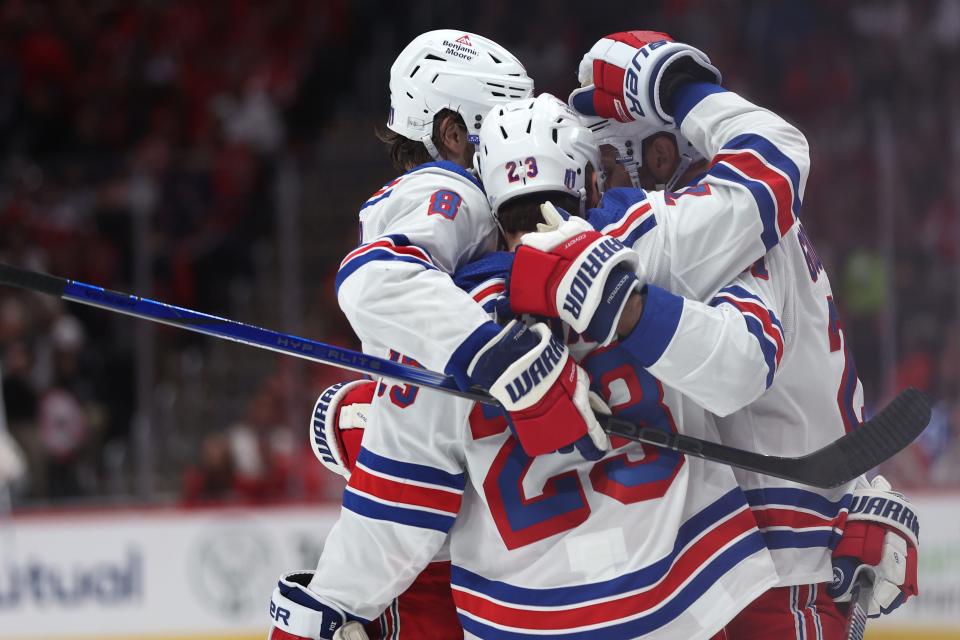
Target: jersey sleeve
{"type": "Point", "coordinates": [723, 354]}
{"type": "Point", "coordinates": [697, 239]}
{"type": "Point", "coordinates": [402, 498]}
{"type": "Point", "coordinates": [396, 288]}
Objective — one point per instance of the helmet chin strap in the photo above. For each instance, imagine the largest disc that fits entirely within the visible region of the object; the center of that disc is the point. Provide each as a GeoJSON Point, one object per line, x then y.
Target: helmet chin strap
{"type": "Point", "coordinates": [627, 160]}
{"type": "Point", "coordinates": [682, 167]}
{"type": "Point", "coordinates": [427, 141]}
{"type": "Point", "coordinates": [633, 170]}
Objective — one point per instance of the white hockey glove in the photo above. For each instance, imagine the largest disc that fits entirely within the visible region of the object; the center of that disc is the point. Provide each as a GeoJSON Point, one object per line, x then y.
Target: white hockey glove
{"type": "Point", "coordinates": [574, 273]}
{"type": "Point", "coordinates": [545, 393]}
{"type": "Point", "coordinates": [339, 418]}
{"type": "Point", "coordinates": [630, 76]}
{"type": "Point", "coordinates": [297, 613]}
{"type": "Point", "coordinates": [881, 536]}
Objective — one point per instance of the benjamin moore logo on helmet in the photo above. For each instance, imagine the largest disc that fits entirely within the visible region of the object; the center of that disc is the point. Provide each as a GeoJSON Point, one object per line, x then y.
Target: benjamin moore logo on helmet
{"type": "Point", "coordinates": [461, 48]}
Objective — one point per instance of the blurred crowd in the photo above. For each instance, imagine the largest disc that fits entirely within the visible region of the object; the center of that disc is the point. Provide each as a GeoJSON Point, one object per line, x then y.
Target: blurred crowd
{"type": "Point", "coordinates": [137, 135]}
{"type": "Point", "coordinates": [140, 144]}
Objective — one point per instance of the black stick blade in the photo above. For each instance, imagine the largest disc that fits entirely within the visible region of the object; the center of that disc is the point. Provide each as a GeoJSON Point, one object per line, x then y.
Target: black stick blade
{"type": "Point", "coordinates": [837, 463]}
{"type": "Point", "coordinates": [884, 435]}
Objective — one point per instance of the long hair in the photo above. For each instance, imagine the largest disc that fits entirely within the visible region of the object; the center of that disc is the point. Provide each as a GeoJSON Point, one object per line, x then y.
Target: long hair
{"type": "Point", "coordinates": [406, 153]}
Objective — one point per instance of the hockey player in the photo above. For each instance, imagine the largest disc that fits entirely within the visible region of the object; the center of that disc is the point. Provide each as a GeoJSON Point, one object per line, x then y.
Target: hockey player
{"type": "Point", "coordinates": [399, 394]}
{"type": "Point", "coordinates": [425, 609]}
{"type": "Point", "coordinates": [637, 543]}
{"type": "Point", "coordinates": [386, 275]}
{"type": "Point", "coordinates": [762, 408]}
{"type": "Point", "coordinates": [417, 230]}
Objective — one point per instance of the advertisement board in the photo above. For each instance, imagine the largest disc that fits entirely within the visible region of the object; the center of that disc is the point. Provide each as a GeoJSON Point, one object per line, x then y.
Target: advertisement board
{"type": "Point", "coordinates": [935, 614]}
{"type": "Point", "coordinates": [184, 575]}
{"type": "Point", "coordinates": [151, 574]}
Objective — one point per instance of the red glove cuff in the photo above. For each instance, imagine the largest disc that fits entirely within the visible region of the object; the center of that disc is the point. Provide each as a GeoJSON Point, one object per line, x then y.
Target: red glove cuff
{"type": "Point", "coordinates": [536, 275]}
{"type": "Point", "coordinates": [533, 283]}
{"type": "Point", "coordinates": [863, 539]}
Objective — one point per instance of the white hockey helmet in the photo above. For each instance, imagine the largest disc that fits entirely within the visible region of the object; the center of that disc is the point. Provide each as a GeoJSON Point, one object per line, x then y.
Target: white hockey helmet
{"type": "Point", "coordinates": [627, 138]}
{"type": "Point", "coordinates": [447, 69]}
{"type": "Point", "coordinates": [534, 145]}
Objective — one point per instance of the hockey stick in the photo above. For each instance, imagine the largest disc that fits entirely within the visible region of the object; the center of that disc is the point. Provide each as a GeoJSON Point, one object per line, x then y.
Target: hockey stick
{"type": "Point", "coordinates": [877, 439]}
{"type": "Point", "coordinates": [860, 597]}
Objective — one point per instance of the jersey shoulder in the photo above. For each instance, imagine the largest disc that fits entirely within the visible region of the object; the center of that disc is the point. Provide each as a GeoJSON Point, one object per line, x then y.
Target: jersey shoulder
{"type": "Point", "coordinates": [624, 213]}
{"type": "Point", "coordinates": [445, 187]}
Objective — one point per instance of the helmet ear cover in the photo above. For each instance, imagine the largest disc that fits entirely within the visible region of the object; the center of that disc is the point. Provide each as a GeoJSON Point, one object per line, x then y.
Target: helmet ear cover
{"type": "Point", "coordinates": [630, 141]}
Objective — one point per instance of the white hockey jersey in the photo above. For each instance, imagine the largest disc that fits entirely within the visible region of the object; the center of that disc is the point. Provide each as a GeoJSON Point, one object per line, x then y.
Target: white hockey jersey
{"type": "Point", "coordinates": [425, 463]}
{"type": "Point", "coordinates": [689, 560]}
{"type": "Point", "coordinates": [765, 351]}
{"type": "Point", "coordinates": [395, 288]}
{"type": "Point", "coordinates": [641, 543]}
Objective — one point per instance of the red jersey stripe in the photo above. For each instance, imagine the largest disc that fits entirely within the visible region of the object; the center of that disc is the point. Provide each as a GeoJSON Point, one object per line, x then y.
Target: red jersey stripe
{"type": "Point", "coordinates": [633, 217]}
{"type": "Point", "coordinates": [581, 615]}
{"type": "Point", "coordinates": [763, 315]}
{"type": "Point", "coordinates": [403, 493]}
{"type": "Point", "coordinates": [754, 167]}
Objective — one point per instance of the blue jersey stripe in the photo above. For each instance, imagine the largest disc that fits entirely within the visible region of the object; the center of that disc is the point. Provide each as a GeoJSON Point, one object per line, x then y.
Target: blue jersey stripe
{"type": "Point", "coordinates": [705, 519]}
{"type": "Point", "coordinates": [676, 606]}
{"type": "Point", "coordinates": [375, 254]}
{"type": "Point", "coordinates": [774, 157]}
{"type": "Point", "coordinates": [373, 201]}
{"type": "Point", "coordinates": [791, 497]}
{"type": "Point", "coordinates": [411, 470]}
{"type": "Point", "coordinates": [641, 230]}
{"type": "Point", "coordinates": [767, 345]}
{"type": "Point", "coordinates": [740, 292]}
{"type": "Point", "coordinates": [410, 517]}
{"type": "Point", "coordinates": [764, 199]}
{"type": "Point", "coordinates": [768, 348]}
{"type": "Point", "coordinates": [786, 539]}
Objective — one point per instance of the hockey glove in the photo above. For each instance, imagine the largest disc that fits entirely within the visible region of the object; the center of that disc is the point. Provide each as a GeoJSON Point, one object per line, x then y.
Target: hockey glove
{"type": "Point", "coordinates": [573, 273]}
{"type": "Point", "coordinates": [297, 613]}
{"type": "Point", "coordinates": [545, 393]}
{"type": "Point", "coordinates": [881, 537]}
{"type": "Point", "coordinates": [339, 418]}
{"type": "Point", "coordinates": [630, 76]}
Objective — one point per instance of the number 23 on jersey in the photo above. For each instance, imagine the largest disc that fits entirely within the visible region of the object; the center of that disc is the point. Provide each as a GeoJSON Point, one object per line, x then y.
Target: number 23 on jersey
{"type": "Point", "coordinates": [646, 473]}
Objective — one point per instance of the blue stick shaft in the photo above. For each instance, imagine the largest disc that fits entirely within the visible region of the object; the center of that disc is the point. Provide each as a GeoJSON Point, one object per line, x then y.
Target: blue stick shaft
{"type": "Point", "coordinates": [834, 464]}
{"type": "Point", "coordinates": [211, 325]}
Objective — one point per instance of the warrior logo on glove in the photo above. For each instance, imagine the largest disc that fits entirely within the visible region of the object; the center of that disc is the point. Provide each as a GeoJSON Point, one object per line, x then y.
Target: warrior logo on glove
{"type": "Point", "coordinates": [583, 280]}
{"type": "Point", "coordinates": [542, 367]}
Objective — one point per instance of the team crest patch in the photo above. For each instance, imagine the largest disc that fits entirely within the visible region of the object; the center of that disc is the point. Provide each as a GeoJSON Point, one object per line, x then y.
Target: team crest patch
{"type": "Point", "coordinates": [837, 577]}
